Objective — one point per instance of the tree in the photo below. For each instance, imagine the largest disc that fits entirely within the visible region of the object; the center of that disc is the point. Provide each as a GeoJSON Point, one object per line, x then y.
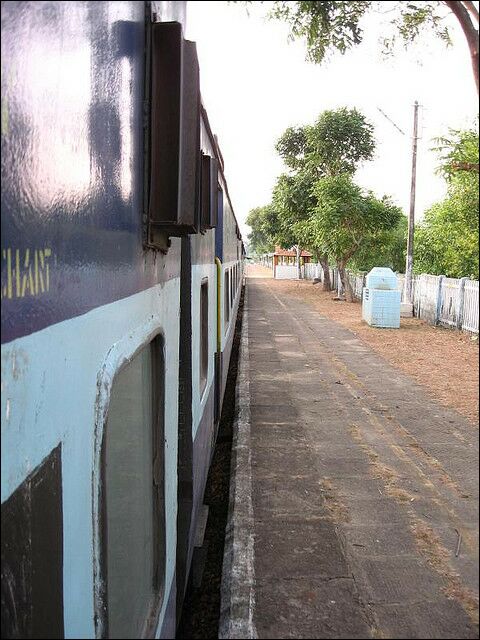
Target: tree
{"type": "Point", "coordinates": [383, 249]}
{"type": "Point", "coordinates": [336, 25]}
{"type": "Point", "coordinates": [447, 238]}
{"type": "Point", "coordinates": [345, 218]}
{"type": "Point", "coordinates": [338, 141]}
{"type": "Point", "coordinates": [458, 151]}
{"type": "Point", "coordinates": [444, 244]}
{"type": "Point", "coordinates": [263, 221]}
{"type": "Point", "coordinates": [293, 201]}
{"type": "Point", "coordinates": [314, 242]}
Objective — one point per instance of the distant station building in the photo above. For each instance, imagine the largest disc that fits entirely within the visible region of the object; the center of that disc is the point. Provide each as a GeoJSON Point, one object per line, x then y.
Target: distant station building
{"type": "Point", "coordinates": [288, 258]}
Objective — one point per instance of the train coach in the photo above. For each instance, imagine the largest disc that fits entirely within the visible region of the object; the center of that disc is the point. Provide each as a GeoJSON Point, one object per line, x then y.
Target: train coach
{"type": "Point", "coordinates": [122, 265]}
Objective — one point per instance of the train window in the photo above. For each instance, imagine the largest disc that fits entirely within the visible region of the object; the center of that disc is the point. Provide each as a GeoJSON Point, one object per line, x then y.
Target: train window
{"type": "Point", "coordinates": [203, 335]}
{"type": "Point", "coordinates": [209, 199]}
{"type": "Point", "coordinates": [134, 509]}
{"type": "Point", "coordinates": [214, 193]}
{"type": "Point", "coordinates": [205, 192]}
{"type": "Point", "coordinates": [227, 297]}
{"type": "Point", "coordinates": [231, 288]}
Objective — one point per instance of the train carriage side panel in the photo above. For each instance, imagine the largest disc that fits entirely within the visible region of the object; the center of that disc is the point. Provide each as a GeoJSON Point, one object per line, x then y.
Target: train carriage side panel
{"type": "Point", "coordinates": [81, 300]}
{"type": "Point", "coordinates": [231, 283]}
{"type": "Point", "coordinates": [201, 343]}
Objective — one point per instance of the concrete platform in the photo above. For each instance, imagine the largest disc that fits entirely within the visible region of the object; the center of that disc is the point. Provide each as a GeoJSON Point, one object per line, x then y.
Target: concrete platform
{"type": "Point", "coordinates": [353, 511]}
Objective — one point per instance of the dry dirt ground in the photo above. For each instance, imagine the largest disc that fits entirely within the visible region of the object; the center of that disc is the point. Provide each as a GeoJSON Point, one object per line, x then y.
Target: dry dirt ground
{"type": "Point", "coordinates": [445, 361]}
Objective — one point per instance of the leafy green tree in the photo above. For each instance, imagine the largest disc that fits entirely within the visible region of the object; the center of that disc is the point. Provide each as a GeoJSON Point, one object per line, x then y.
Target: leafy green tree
{"type": "Point", "coordinates": [338, 141]}
{"type": "Point", "coordinates": [345, 218]}
{"type": "Point", "coordinates": [443, 245]}
{"type": "Point", "coordinates": [293, 201]}
{"type": "Point", "coordinates": [293, 147]}
{"type": "Point", "coordinates": [458, 152]}
{"type": "Point", "coordinates": [336, 25]}
{"type": "Point", "coordinates": [310, 239]}
{"type": "Point", "coordinates": [383, 249]}
{"type": "Point", "coordinates": [263, 221]}
{"type": "Point", "coordinates": [446, 241]}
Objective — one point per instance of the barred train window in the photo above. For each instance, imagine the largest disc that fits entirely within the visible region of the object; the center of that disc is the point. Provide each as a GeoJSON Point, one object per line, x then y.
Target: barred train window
{"type": "Point", "coordinates": [226, 296]}
{"type": "Point", "coordinates": [203, 335]}
{"type": "Point", "coordinates": [133, 472]}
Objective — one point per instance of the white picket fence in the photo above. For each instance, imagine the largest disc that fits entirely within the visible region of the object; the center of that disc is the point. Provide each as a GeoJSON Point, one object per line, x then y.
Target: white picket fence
{"type": "Point", "coordinates": [470, 306]}
{"type": "Point", "coordinates": [450, 302]}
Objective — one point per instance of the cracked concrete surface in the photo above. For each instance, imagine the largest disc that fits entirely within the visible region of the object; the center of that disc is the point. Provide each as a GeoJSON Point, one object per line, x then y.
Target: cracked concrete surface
{"type": "Point", "coordinates": [364, 489]}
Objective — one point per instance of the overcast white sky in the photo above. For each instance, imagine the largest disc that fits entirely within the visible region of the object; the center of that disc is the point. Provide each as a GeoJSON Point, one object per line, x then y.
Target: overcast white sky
{"type": "Point", "coordinates": [255, 84]}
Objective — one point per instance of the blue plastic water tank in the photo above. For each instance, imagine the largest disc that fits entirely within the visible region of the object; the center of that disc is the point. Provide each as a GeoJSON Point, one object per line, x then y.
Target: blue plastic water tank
{"type": "Point", "coordinates": [381, 299]}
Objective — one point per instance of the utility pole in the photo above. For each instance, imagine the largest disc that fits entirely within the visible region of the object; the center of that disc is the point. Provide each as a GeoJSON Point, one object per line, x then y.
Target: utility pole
{"type": "Point", "coordinates": [407, 297]}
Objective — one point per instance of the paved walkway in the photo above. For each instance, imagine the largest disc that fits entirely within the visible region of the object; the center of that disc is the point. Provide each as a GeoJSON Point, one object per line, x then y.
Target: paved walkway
{"type": "Point", "coordinates": [355, 495]}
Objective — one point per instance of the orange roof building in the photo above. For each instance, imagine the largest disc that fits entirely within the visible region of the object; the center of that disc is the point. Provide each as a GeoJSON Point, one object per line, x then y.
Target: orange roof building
{"type": "Point", "coordinates": [285, 257]}
{"type": "Point", "coordinates": [291, 253]}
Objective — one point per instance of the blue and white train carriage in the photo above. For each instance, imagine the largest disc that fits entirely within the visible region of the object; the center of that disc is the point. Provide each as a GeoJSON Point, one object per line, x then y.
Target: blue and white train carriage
{"type": "Point", "coordinates": [121, 273]}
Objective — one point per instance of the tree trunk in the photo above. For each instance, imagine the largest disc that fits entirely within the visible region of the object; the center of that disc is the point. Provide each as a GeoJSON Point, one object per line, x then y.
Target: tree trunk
{"type": "Point", "coordinates": [347, 287]}
{"type": "Point", "coordinates": [327, 286]}
{"type": "Point", "coordinates": [471, 34]}
{"type": "Point", "coordinates": [299, 269]}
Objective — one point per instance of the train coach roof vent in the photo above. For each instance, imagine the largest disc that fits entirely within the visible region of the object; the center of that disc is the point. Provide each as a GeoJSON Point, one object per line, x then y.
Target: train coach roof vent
{"type": "Point", "coordinates": [174, 133]}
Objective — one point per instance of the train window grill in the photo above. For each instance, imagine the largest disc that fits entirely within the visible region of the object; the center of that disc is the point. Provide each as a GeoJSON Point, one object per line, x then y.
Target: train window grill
{"type": "Point", "coordinates": [203, 335]}
{"type": "Point", "coordinates": [219, 229]}
{"type": "Point", "coordinates": [174, 131]}
{"type": "Point", "coordinates": [134, 500]}
{"type": "Point", "coordinates": [227, 297]}
{"type": "Point", "coordinates": [209, 192]}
